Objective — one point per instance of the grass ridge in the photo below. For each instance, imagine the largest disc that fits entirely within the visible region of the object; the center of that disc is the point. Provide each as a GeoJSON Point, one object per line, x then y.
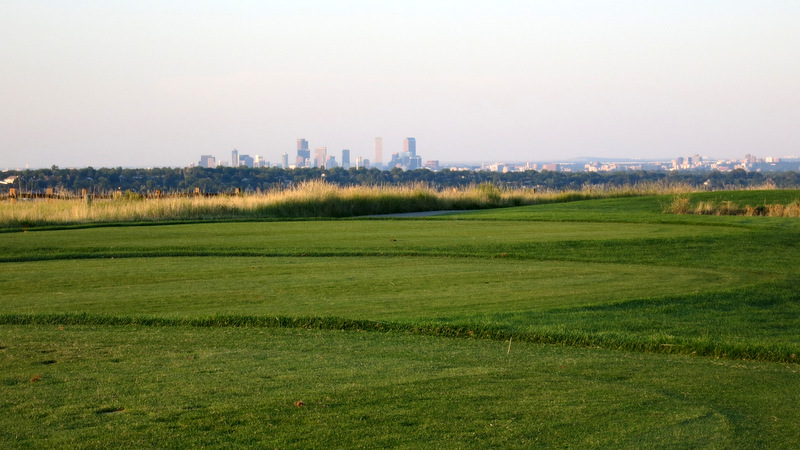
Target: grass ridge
{"type": "Point", "coordinates": [705, 346]}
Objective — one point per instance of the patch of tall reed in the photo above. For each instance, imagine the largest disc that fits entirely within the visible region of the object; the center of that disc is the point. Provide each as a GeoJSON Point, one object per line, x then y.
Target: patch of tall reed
{"type": "Point", "coordinates": [309, 199]}
{"type": "Point", "coordinates": [681, 204]}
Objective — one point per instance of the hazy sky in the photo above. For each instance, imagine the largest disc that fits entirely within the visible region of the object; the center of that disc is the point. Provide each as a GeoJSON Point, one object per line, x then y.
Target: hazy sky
{"type": "Point", "coordinates": [158, 83]}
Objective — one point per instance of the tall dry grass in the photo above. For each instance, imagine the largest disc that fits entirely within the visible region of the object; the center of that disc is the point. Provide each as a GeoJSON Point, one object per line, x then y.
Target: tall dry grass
{"type": "Point", "coordinates": [680, 204]}
{"type": "Point", "coordinates": [310, 199]}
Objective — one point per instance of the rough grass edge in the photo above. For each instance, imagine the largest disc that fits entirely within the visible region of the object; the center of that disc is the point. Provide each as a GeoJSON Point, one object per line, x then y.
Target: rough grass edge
{"type": "Point", "coordinates": [610, 341]}
{"type": "Point", "coordinates": [307, 200]}
{"type": "Point", "coordinates": [681, 204]}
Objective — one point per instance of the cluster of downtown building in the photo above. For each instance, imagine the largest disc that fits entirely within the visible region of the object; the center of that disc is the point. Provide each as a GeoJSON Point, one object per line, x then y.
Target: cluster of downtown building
{"type": "Point", "coordinates": [699, 163]}
{"type": "Point", "coordinates": [321, 158]}
{"type": "Point", "coordinates": [695, 163]}
{"type": "Point", "coordinates": [408, 159]}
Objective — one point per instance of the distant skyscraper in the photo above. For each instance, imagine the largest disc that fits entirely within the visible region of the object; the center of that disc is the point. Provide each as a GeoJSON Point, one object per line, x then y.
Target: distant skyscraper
{"type": "Point", "coordinates": [302, 144]}
{"type": "Point", "coordinates": [303, 153]}
{"type": "Point", "coordinates": [397, 160]}
{"type": "Point", "coordinates": [285, 160]}
{"type": "Point", "coordinates": [345, 158]}
{"type": "Point", "coordinates": [320, 154]}
{"type": "Point", "coordinates": [235, 158]}
{"type": "Point", "coordinates": [410, 146]}
{"type": "Point", "coordinates": [378, 152]}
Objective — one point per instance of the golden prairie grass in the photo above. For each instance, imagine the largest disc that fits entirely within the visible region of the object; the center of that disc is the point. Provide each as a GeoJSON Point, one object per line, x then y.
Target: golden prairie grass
{"type": "Point", "coordinates": [680, 204]}
{"type": "Point", "coordinates": [309, 199]}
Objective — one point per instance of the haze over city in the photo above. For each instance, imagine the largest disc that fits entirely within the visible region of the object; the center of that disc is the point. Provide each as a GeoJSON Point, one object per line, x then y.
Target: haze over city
{"type": "Point", "coordinates": [151, 83]}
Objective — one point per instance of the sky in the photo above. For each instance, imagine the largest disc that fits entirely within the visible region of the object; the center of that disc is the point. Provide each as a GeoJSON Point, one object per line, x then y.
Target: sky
{"type": "Point", "coordinates": [149, 83]}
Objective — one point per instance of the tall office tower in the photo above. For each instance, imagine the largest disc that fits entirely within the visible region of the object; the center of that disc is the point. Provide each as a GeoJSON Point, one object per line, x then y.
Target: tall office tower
{"type": "Point", "coordinates": [330, 162]}
{"type": "Point", "coordinates": [378, 153]}
{"type": "Point", "coordinates": [410, 146]}
{"type": "Point", "coordinates": [285, 160]}
{"type": "Point", "coordinates": [303, 153]}
{"type": "Point", "coordinates": [359, 162]}
{"type": "Point", "coordinates": [319, 156]}
{"type": "Point", "coordinates": [302, 144]}
{"type": "Point", "coordinates": [345, 159]}
{"type": "Point", "coordinates": [208, 161]}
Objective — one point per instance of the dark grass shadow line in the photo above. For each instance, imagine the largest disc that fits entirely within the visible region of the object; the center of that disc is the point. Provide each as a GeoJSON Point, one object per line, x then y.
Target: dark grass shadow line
{"type": "Point", "coordinates": [579, 338]}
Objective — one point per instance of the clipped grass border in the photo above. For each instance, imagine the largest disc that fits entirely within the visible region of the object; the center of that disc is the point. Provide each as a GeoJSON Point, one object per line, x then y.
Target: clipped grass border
{"type": "Point", "coordinates": [612, 341]}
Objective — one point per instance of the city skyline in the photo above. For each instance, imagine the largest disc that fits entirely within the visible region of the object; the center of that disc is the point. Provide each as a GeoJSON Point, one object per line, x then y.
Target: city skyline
{"type": "Point", "coordinates": [409, 160]}
{"type": "Point", "coordinates": [91, 83]}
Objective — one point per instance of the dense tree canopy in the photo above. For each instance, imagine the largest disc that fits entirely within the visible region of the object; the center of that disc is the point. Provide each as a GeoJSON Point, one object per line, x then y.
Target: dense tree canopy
{"type": "Point", "coordinates": [228, 179]}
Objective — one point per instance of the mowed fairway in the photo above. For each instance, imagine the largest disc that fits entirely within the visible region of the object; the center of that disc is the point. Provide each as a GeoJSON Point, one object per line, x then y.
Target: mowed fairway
{"type": "Point", "coordinates": [369, 287]}
{"type": "Point", "coordinates": [593, 323]}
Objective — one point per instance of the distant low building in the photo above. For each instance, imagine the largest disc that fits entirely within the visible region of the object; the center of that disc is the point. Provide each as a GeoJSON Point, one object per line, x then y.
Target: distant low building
{"type": "Point", "coordinates": [208, 161]}
{"type": "Point", "coordinates": [432, 164]}
{"type": "Point", "coordinates": [245, 161]}
{"type": "Point", "coordinates": [330, 162]}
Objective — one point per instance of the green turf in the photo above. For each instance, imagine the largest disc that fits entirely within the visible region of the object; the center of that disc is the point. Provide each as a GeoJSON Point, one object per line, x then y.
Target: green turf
{"type": "Point", "coordinates": [192, 334]}
{"type": "Point", "coordinates": [375, 288]}
{"type": "Point", "coordinates": [163, 387]}
{"type": "Point", "coordinates": [342, 237]}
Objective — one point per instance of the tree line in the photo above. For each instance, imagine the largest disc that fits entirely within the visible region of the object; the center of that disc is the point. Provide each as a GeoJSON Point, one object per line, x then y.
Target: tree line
{"type": "Point", "coordinates": [228, 179]}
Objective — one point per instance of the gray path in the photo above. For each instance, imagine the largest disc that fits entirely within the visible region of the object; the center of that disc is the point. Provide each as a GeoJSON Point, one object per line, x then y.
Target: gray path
{"type": "Point", "coordinates": [422, 213]}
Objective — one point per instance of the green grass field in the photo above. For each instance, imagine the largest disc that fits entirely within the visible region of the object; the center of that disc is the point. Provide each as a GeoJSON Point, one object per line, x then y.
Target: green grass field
{"type": "Point", "coordinates": [592, 323]}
